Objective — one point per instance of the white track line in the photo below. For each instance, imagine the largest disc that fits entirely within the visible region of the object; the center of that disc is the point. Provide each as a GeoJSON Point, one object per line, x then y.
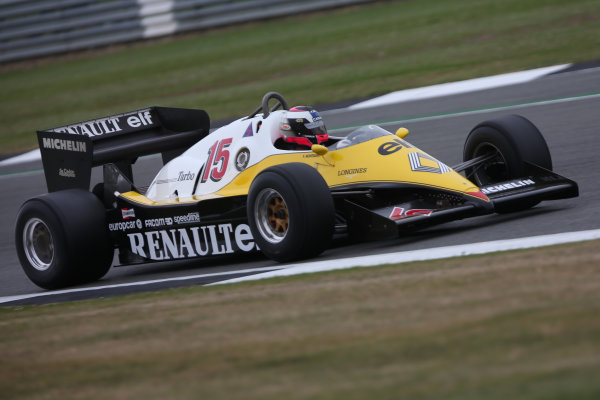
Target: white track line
{"type": "Point", "coordinates": [450, 88]}
{"type": "Point", "coordinates": [7, 299]}
{"type": "Point", "coordinates": [32, 155]}
{"type": "Point", "coordinates": [425, 254]}
{"type": "Point", "coordinates": [490, 109]}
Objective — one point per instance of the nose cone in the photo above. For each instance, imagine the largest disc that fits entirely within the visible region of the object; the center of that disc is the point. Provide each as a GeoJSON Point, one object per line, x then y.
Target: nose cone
{"type": "Point", "coordinates": [391, 160]}
{"type": "Point", "coordinates": [480, 200]}
{"type": "Point", "coordinates": [480, 195]}
{"type": "Point", "coordinates": [407, 164]}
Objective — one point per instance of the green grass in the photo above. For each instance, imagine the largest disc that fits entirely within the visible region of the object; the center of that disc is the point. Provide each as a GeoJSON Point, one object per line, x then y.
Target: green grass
{"type": "Point", "coordinates": [517, 325]}
{"type": "Point", "coordinates": [318, 58]}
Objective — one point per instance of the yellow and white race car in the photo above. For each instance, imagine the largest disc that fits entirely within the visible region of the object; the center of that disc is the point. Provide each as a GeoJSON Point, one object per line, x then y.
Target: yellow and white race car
{"type": "Point", "coordinates": [273, 181]}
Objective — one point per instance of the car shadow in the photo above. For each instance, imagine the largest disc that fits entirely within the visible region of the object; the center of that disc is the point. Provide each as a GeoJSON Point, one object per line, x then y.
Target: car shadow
{"type": "Point", "coordinates": [455, 227]}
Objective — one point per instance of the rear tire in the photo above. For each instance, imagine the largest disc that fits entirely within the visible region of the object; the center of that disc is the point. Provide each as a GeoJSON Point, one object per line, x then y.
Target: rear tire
{"type": "Point", "coordinates": [291, 212]}
{"type": "Point", "coordinates": [61, 239]}
{"type": "Point", "coordinates": [515, 141]}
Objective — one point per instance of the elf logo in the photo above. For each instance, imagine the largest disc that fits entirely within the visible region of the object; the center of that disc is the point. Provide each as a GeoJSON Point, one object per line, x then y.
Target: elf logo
{"type": "Point", "coordinates": [389, 147]}
{"type": "Point", "coordinates": [142, 118]}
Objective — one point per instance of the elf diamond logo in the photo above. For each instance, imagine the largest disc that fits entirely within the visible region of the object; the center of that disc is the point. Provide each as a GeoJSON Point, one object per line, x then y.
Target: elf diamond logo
{"type": "Point", "coordinates": [420, 162]}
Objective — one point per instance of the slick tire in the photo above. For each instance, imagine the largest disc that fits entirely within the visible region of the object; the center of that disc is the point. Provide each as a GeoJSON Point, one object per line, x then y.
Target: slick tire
{"type": "Point", "coordinates": [291, 212]}
{"type": "Point", "coordinates": [515, 141]}
{"type": "Point", "coordinates": [61, 239]}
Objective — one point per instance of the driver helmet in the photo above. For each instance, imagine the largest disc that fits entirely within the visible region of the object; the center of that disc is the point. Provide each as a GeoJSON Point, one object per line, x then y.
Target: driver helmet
{"type": "Point", "coordinates": [303, 125]}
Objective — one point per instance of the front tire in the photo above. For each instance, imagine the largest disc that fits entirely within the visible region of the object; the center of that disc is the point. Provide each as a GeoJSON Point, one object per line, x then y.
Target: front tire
{"type": "Point", "coordinates": [291, 212]}
{"type": "Point", "coordinates": [513, 141]}
{"type": "Point", "coordinates": [61, 239]}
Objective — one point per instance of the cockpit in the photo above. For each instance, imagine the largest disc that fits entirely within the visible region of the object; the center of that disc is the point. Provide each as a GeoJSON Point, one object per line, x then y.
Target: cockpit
{"type": "Point", "coordinates": [357, 136]}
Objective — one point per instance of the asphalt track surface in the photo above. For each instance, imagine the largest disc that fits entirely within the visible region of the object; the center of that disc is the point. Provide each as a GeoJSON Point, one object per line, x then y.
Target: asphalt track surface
{"type": "Point", "coordinates": [564, 106]}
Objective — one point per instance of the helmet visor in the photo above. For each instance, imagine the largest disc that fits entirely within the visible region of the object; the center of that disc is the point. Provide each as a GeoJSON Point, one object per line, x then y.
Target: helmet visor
{"type": "Point", "coordinates": [316, 128]}
{"type": "Point", "coordinates": [303, 127]}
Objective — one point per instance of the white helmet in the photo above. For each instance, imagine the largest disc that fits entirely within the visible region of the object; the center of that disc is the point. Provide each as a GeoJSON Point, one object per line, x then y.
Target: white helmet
{"type": "Point", "coordinates": [303, 125]}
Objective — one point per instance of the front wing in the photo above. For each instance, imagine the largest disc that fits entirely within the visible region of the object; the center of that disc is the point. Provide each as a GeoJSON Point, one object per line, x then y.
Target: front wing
{"type": "Point", "coordinates": [379, 212]}
{"type": "Point", "coordinates": [539, 184]}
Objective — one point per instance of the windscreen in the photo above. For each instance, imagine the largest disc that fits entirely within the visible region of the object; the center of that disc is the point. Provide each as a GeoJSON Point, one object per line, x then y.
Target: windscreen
{"type": "Point", "coordinates": [360, 135]}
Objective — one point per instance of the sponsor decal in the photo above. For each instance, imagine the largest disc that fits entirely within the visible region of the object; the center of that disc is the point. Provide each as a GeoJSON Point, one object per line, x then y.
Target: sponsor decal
{"type": "Point", "coordinates": [420, 162]}
{"type": "Point", "coordinates": [350, 173]}
{"type": "Point", "coordinates": [186, 176]}
{"type": "Point", "coordinates": [182, 176]}
{"type": "Point", "coordinates": [507, 186]}
{"type": "Point", "coordinates": [157, 222]}
{"type": "Point", "coordinates": [242, 159]}
{"type": "Point", "coordinates": [192, 217]}
{"type": "Point", "coordinates": [399, 213]}
{"type": "Point", "coordinates": [125, 225]}
{"type": "Point", "coordinates": [249, 131]}
{"type": "Point", "coordinates": [389, 147]}
{"type": "Point", "coordinates": [186, 219]}
{"type": "Point", "coordinates": [66, 173]}
{"type": "Point", "coordinates": [127, 213]}
{"type": "Point", "coordinates": [93, 128]}
{"type": "Point", "coordinates": [64, 144]}
{"type": "Point", "coordinates": [112, 124]}
{"type": "Point", "coordinates": [142, 118]}
{"type": "Point", "coordinates": [191, 242]}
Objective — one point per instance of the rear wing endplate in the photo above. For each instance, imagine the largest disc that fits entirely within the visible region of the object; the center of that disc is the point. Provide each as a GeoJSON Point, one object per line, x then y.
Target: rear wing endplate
{"type": "Point", "coordinates": [70, 152]}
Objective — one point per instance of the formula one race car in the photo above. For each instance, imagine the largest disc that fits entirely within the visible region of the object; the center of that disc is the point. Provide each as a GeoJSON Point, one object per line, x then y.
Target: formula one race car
{"type": "Point", "coordinates": [273, 181]}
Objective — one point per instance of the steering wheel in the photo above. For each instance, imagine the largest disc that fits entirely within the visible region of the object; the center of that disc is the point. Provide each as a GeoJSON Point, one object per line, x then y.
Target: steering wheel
{"type": "Point", "coordinates": [264, 107]}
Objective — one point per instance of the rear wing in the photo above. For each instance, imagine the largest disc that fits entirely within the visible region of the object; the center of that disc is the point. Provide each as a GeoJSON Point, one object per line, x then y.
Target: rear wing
{"type": "Point", "coordinates": [69, 152]}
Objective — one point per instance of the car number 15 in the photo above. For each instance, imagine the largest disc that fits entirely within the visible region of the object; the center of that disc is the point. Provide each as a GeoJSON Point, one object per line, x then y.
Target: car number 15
{"type": "Point", "coordinates": [218, 158]}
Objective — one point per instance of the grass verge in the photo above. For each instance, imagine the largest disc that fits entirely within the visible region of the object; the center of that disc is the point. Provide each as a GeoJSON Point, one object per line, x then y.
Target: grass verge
{"type": "Point", "coordinates": [518, 325]}
{"type": "Point", "coordinates": [318, 58]}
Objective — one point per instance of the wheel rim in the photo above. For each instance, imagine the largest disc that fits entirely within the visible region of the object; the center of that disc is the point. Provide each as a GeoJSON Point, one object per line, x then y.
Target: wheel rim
{"type": "Point", "coordinates": [38, 244]}
{"type": "Point", "coordinates": [493, 170]}
{"type": "Point", "coordinates": [271, 215]}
